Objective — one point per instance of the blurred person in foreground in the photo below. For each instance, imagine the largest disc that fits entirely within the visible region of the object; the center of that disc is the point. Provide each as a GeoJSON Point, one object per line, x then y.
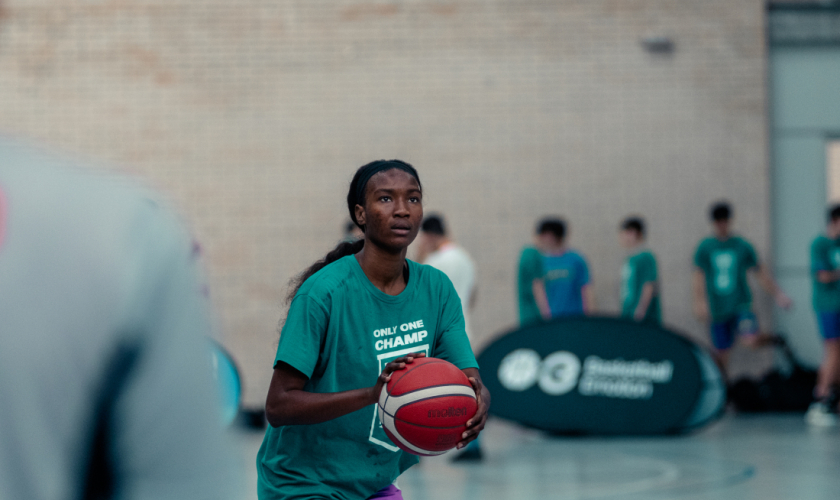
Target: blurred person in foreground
{"type": "Point", "coordinates": [439, 251]}
{"type": "Point", "coordinates": [721, 292]}
{"type": "Point", "coordinates": [105, 378]}
{"type": "Point", "coordinates": [564, 288]}
{"type": "Point", "coordinates": [825, 273]}
{"type": "Point", "coordinates": [639, 276]}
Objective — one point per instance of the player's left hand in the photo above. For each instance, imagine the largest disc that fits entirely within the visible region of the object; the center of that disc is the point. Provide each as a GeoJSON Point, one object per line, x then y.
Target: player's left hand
{"type": "Point", "coordinates": [476, 424]}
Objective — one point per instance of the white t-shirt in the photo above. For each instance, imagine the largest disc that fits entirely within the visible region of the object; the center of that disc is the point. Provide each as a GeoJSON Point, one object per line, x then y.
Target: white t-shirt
{"type": "Point", "coordinates": [457, 265]}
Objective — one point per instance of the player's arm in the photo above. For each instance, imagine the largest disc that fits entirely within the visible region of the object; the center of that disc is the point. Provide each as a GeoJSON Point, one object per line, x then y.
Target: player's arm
{"type": "Point", "coordinates": [541, 298]}
{"type": "Point", "coordinates": [588, 296]}
{"type": "Point", "coordinates": [648, 290]}
{"type": "Point", "coordinates": [828, 276]}
{"type": "Point", "coordinates": [289, 404]}
{"type": "Point", "coordinates": [476, 424]}
{"type": "Point", "coordinates": [587, 291]}
{"type": "Point", "coordinates": [770, 286]}
{"type": "Point", "coordinates": [701, 304]}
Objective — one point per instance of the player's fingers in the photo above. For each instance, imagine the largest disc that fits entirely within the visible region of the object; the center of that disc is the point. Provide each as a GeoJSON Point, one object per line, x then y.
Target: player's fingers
{"type": "Point", "coordinates": [479, 419]}
{"type": "Point", "coordinates": [392, 367]}
{"type": "Point", "coordinates": [477, 387]}
{"type": "Point", "coordinates": [469, 435]}
{"type": "Point", "coordinates": [408, 358]}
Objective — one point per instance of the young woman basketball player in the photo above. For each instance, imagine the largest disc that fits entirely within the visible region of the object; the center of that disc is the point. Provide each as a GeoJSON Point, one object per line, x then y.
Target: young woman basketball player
{"type": "Point", "coordinates": [355, 317]}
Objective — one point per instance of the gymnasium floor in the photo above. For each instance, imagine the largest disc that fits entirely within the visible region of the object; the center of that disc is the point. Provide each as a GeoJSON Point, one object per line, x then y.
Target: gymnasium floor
{"type": "Point", "coordinates": [765, 457]}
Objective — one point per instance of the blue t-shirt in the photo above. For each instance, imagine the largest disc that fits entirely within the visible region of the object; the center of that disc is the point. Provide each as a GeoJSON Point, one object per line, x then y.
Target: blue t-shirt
{"type": "Point", "coordinates": [565, 276]}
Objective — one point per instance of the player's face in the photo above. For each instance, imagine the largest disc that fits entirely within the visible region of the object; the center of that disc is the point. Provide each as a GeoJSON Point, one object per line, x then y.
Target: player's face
{"type": "Point", "coordinates": [722, 227]}
{"type": "Point", "coordinates": [393, 209]}
{"type": "Point", "coordinates": [628, 238]}
{"type": "Point", "coordinates": [547, 241]}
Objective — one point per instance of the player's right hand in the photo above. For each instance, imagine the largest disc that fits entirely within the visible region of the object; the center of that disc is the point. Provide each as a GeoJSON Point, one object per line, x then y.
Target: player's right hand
{"type": "Point", "coordinates": [390, 368]}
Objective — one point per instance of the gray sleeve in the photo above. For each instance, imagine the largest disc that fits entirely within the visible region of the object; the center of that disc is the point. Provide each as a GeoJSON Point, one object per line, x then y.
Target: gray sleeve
{"type": "Point", "coordinates": [168, 441]}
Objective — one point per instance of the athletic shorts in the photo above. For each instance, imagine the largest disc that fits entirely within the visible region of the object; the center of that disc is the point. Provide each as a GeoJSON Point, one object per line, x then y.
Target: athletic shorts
{"type": "Point", "coordinates": [829, 324]}
{"type": "Point", "coordinates": [725, 331]}
{"type": "Point", "coordinates": [391, 492]}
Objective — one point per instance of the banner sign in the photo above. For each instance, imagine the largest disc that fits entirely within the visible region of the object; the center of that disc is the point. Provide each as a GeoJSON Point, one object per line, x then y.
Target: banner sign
{"type": "Point", "coordinates": [599, 375]}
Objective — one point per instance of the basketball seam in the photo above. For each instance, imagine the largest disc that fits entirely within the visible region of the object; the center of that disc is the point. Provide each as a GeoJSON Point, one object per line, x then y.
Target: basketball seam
{"type": "Point", "coordinates": [453, 393]}
{"type": "Point", "coordinates": [427, 426]}
{"type": "Point", "coordinates": [405, 442]}
{"type": "Point", "coordinates": [424, 388]}
{"type": "Point", "coordinates": [419, 400]}
{"type": "Point", "coordinates": [436, 362]}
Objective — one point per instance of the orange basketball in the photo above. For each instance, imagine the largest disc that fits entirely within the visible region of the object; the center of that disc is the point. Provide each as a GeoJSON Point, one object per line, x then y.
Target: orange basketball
{"type": "Point", "coordinates": [424, 407]}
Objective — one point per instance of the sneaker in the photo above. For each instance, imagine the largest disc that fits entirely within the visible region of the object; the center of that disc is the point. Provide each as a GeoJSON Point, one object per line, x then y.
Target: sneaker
{"type": "Point", "coordinates": [821, 414]}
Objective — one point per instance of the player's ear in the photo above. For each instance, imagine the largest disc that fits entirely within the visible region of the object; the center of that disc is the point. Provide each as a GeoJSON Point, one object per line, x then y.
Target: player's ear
{"type": "Point", "coordinates": [361, 216]}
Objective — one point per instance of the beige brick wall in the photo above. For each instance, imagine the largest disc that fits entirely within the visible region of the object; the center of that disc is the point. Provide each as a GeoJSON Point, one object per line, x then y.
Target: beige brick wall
{"type": "Point", "coordinates": [253, 116]}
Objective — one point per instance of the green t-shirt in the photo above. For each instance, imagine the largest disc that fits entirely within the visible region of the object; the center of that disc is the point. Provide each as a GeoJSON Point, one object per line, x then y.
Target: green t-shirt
{"type": "Point", "coordinates": [530, 268]}
{"type": "Point", "coordinates": [825, 256]}
{"type": "Point", "coordinates": [340, 332]}
{"type": "Point", "coordinates": [638, 270]}
{"type": "Point", "coordinates": [725, 265]}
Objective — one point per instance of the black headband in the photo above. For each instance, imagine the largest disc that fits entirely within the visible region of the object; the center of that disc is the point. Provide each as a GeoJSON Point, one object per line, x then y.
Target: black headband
{"type": "Point", "coordinates": [374, 169]}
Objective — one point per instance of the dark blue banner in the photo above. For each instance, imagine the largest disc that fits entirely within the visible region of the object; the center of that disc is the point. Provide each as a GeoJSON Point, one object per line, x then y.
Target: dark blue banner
{"type": "Point", "coordinates": [602, 376]}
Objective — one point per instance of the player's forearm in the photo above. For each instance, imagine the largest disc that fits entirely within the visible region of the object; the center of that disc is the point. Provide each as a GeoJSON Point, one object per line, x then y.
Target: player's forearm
{"type": "Point", "coordinates": [828, 276]}
{"type": "Point", "coordinates": [299, 407]}
{"type": "Point", "coordinates": [588, 296]}
{"type": "Point", "coordinates": [540, 297]}
{"type": "Point", "coordinates": [699, 287]}
{"type": "Point", "coordinates": [767, 282]}
{"type": "Point", "coordinates": [648, 289]}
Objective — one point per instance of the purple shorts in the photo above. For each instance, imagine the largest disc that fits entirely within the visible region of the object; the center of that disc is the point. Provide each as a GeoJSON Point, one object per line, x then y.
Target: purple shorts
{"type": "Point", "coordinates": [390, 492]}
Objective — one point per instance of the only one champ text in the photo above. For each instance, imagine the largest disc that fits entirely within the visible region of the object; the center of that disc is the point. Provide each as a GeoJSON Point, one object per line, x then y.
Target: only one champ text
{"type": "Point", "coordinates": [394, 339]}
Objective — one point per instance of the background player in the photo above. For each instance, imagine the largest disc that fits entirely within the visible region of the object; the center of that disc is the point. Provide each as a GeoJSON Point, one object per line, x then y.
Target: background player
{"type": "Point", "coordinates": [825, 272]}
{"type": "Point", "coordinates": [721, 292]}
{"type": "Point", "coordinates": [565, 288]}
{"type": "Point", "coordinates": [639, 277]}
{"type": "Point", "coordinates": [105, 382]}
{"type": "Point", "coordinates": [341, 334]}
{"type": "Point", "coordinates": [529, 283]}
{"type": "Point", "coordinates": [439, 251]}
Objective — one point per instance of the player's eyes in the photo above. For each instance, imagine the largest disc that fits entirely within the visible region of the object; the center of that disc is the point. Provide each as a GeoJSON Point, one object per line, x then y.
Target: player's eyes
{"type": "Point", "coordinates": [414, 199]}
{"type": "Point", "coordinates": [384, 198]}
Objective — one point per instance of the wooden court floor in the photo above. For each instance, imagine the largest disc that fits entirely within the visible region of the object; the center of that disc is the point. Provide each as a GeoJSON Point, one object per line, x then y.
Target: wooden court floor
{"type": "Point", "coordinates": [741, 457]}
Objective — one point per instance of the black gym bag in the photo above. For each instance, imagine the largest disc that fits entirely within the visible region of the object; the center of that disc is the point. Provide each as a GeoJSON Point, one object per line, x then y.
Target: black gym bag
{"type": "Point", "coordinates": [778, 390]}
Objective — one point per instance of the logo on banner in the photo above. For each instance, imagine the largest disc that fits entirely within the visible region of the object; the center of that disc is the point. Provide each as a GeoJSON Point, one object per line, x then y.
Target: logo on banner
{"type": "Point", "coordinates": [562, 371]}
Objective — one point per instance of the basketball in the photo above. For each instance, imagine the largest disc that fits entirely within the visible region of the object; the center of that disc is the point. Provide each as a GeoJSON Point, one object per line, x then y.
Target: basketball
{"type": "Point", "coordinates": [424, 407]}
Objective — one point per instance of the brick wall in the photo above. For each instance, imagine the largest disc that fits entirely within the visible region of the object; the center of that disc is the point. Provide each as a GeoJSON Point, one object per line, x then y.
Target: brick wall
{"type": "Point", "coordinates": [253, 116]}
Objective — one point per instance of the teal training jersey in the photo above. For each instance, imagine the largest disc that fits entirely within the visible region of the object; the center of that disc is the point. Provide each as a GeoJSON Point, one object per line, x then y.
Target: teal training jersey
{"type": "Point", "coordinates": [530, 269]}
{"type": "Point", "coordinates": [825, 256]}
{"type": "Point", "coordinates": [638, 270]}
{"type": "Point", "coordinates": [725, 265]}
{"type": "Point", "coordinates": [340, 332]}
